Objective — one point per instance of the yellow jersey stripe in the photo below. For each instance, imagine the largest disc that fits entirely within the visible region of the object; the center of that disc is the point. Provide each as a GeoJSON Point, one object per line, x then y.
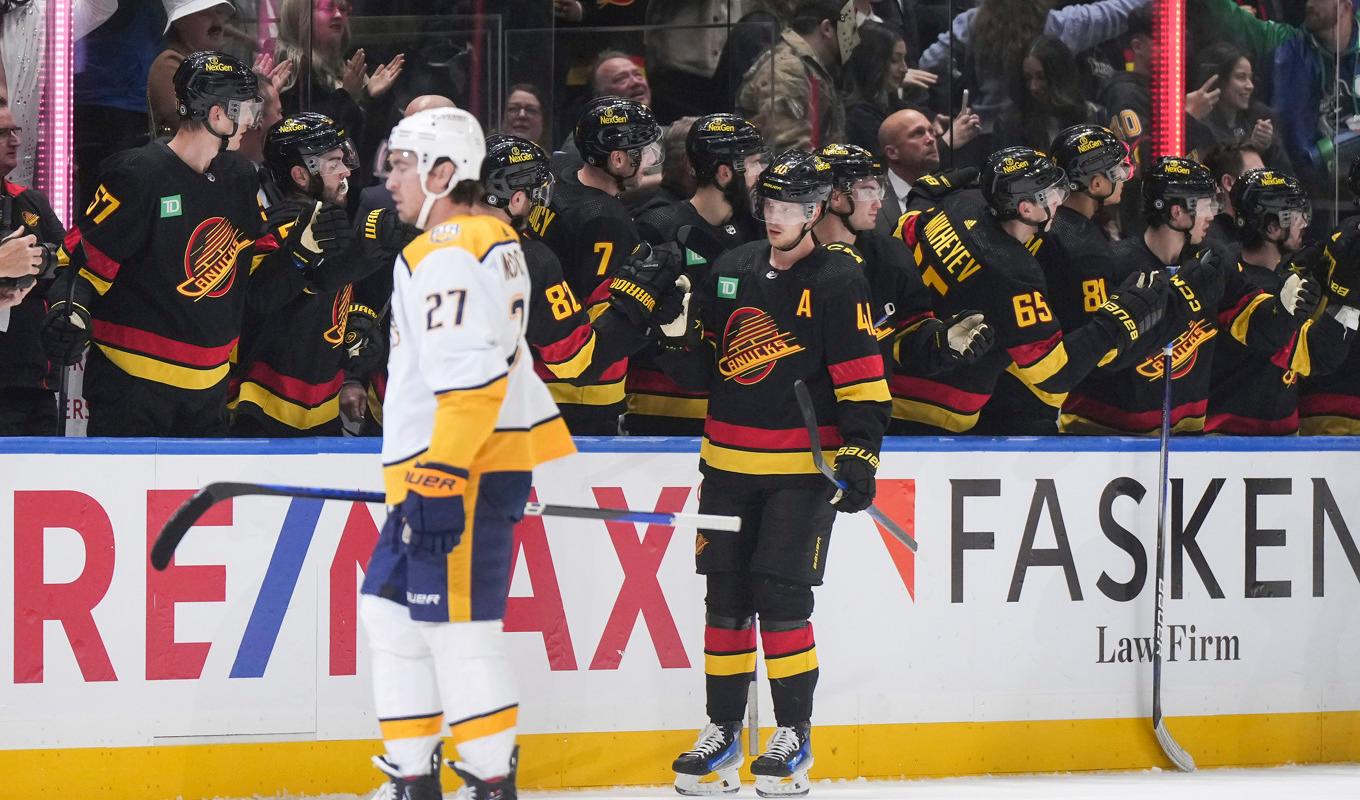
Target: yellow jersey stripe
{"type": "Point", "coordinates": [730, 664]}
{"type": "Point", "coordinates": [150, 369]}
{"type": "Point", "coordinates": [411, 728]}
{"type": "Point", "coordinates": [285, 411]}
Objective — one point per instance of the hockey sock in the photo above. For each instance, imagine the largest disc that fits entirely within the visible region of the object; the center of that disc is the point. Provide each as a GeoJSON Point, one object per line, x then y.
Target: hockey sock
{"type": "Point", "coordinates": [405, 693]}
{"type": "Point", "coordinates": [729, 666]}
{"type": "Point", "coordinates": [481, 702]}
{"type": "Point", "coordinates": [791, 664]}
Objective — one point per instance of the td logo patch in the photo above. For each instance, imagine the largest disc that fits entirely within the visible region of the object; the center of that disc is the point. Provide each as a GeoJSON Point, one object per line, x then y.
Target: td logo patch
{"type": "Point", "coordinates": [171, 206]}
{"type": "Point", "coordinates": [727, 287]}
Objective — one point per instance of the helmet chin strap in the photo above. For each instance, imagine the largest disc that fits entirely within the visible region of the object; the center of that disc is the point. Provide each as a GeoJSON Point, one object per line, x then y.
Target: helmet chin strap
{"type": "Point", "coordinates": [635, 158]}
{"type": "Point", "coordinates": [807, 228]}
{"type": "Point", "coordinates": [430, 197]}
{"type": "Point", "coordinates": [223, 140]}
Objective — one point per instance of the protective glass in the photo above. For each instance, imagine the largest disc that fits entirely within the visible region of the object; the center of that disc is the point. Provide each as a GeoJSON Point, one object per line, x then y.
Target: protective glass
{"type": "Point", "coordinates": [783, 212]}
{"type": "Point", "coordinates": [867, 190]}
{"type": "Point", "coordinates": [652, 158]}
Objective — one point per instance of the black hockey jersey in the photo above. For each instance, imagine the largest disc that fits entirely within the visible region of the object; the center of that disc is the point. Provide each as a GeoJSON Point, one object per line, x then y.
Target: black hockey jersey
{"type": "Point", "coordinates": [22, 360]}
{"type": "Point", "coordinates": [1211, 303]}
{"type": "Point", "coordinates": [765, 328]}
{"type": "Point", "coordinates": [163, 255]}
{"type": "Point", "coordinates": [590, 232]}
{"type": "Point", "coordinates": [1253, 394]}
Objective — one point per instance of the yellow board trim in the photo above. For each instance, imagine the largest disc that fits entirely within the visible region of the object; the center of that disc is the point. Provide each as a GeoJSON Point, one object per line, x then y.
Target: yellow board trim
{"type": "Point", "coordinates": [416, 728]}
{"type": "Point", "coordinates": [578, 760]}
{"type": "Point", "coordinates": [150, 369]}
{"type": "Point", "coordinates": [796, 664]}
{"type": "Point", "coordinates": [730, 664]}
{"type": "Point", "coordinates": [488, 725]}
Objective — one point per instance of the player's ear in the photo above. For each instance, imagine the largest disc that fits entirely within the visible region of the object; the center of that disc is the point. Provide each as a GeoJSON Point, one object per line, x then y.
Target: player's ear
{"type": "Point", "coordinates": [519, 204]}
{"type": "Point", "coordinates": [440, 177]}
{"type": "Point", "coordinates": [721, 178]}
{"type": "Point", "coordinates": [301, 177]}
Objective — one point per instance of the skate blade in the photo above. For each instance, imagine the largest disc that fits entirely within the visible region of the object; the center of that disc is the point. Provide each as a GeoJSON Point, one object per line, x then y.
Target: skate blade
{"type": "Point", "coordinates": [795, 785]}
{"type": "Point", "coordinates": [722, 782]}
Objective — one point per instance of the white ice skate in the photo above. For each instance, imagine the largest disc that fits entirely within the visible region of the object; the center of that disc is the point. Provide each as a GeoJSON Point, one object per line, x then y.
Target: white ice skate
{"type": "Point", "coordinates": [782, 770]}
{"type": "Point", "coordinates": [711, 766]}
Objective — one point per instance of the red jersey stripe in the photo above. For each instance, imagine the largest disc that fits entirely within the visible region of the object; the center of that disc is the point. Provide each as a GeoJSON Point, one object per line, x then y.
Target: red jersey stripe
{"type": "Point", "coordinates": [856, 369]}
{"type": "Point", "coordinates": [778, 643]}
{"type": "Point", "coordinates": [161, 347]}
{"type": "Point", "coordinates": [1032, 353]}
{"type": "Point", "coordinates": [743, 436]}
{"type": "Point", "coordinates": [299, 391]}
{"type": "Point", "coordinates": [936, 393]}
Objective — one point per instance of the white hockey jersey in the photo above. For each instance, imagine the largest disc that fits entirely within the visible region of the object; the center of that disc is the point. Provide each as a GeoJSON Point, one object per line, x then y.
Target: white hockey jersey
{"type": "Point", "coordinates": [461, 393]}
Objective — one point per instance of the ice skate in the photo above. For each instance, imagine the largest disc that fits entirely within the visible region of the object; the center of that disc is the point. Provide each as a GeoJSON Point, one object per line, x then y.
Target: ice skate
{"type": "Point", "coordinates": [782, 770]}
{"type": "Point", "coordinates": [474, 788]}
{"type": "Point", "coordinates": [420, 787]}
{"type": "Point", "coordinates": [711, 766]}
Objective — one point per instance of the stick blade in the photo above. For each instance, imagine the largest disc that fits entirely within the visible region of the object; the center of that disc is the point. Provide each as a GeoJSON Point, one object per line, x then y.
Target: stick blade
{"type": "Point", "coordinates": [1172, 748]}
{"type": "Point", "coordinates": [179, 524]}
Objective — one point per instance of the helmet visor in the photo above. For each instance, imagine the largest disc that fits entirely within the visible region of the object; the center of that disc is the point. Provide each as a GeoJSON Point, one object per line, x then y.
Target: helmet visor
{"type": "Point", "coordinates": [1204, 206]}
{"type": "Point", "coordinates": [652, 158]}
{"type": "Point", "coordinates": [1290, 216]}
{"type": "Point", "coordinates": [867, 190]}
{"type": "Point", "coordinates": [245, 113]}
{"type": "Point", "coordinates": [542, 194]}
{"type": "Point", "coordinates": [333, 162]}
{"type": "Point", "coordinates": [783, 212]}
{"type": "Point", "coordinates": [1053, 196]}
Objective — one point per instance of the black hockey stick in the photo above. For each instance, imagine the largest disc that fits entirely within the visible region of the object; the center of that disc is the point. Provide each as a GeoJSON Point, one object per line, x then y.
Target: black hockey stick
{"type": "Point", "coordinates": [192, 509]}
{"type": "Point", "coordinates": [704, 244]}
{"type": "Point", "coordinates": [800, 391]}
{"type": "Point", "coordinates": [1168, 743]}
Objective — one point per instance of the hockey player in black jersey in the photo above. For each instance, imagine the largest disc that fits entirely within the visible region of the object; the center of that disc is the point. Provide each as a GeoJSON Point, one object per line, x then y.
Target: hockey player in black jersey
{"type": "Point", "coordinates": [572, 344]}
{"type": "Point", "coordinates": [769, 313]}
{"type": "Point", "coordinates": [591, 233]}
{"type": "Point", "coordinates": [290, 363]}
{"type": "Point", "coordinates": [160, 262]}
{"type": "Point", "coordinates": [728, 156]}
{"type": "Point", "coordinates": [1074, 256]}
{"type": "Point", "coordinates": [913, 341]}
{"type": "Point", "coordinates": [1330, 404]}
{"type": "Point", "coordinates": [1253, 393]}
{"type": "Point", "coordinates": [972, 253]}
{"type": "Point", "coordinates": [1210, 300]}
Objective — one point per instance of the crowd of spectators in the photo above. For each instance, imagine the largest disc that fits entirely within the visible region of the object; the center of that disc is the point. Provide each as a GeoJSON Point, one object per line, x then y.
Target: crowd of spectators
{"type": "Point", "coordinates": [928, 85]}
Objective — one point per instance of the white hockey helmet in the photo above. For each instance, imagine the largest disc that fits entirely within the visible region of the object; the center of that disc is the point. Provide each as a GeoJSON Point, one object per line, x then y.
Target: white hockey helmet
{"type": "Point", "coordinates": [435, 134]}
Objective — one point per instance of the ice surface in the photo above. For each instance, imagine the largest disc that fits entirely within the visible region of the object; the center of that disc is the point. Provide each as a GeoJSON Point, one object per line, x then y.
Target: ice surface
{"type": "Point", "coordinates": [1278, 783]}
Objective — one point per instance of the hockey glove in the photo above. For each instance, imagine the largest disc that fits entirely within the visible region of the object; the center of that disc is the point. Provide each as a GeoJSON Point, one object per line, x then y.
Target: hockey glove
{"type": "Point", "coordinates": [1338, 267]}
{"type": "Point", "coordinates": [1133, 310]}
{"type": "Point", "coordinates": [963, 339]}
{"type": "Point", "coordinates": [936, 186]}
{"type": "Point", "coordinates": [683, 330]}
{"type": "Point", "coordinates": [66, 332]}
{"type": "Point", "coordinates": [642, 279]}
{"type": "Point", "coordinates": [1300, 296]}
{"type": "Point", "coordinates": [855, 468]}
{"type": "Point", "coordinates": [363, 341]}
{"type": "Point", "coordinates": [432, 513]}
{"type": "Point", "coordinates": [384, 235]}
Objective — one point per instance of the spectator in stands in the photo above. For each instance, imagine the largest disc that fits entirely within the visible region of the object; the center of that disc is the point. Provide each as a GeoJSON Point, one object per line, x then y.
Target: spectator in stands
{"type": "Point", "coordinates": [525, 114]}
{"type": "Point", "coordinates": [616, 73]}
{"type": "Point", "coordinates": [1236, 118]}
{"type": "Point", "coordinates": [1227, 162]}
{"type": "Point", "coordinates": [987, 44]}
{"type": "Point", "coordinates": [112, 65]}
{"type": "Point", "coordinates": [1127, 97]}
{"type": "Point", "coordinates": [1047, 98]}
{"type": "Point", "coordinates": [338, 87]}
{"type": "Point", "coordinates": [1314, 102]}
{"type": "Point", "coordinates": [28, 405]}
{"type": "Point", "coordinates": [790, 92]}
{"type": "Point", "coordinates": [191, 25]}
{"type": "Point", "coordinates": [682, 56]}
{"type": "Point", "coordinates": [909, 147]}
{"type": "Point", "coordinates": [752, 35]}
{"type": "Point", "coordinates": [873, 83]}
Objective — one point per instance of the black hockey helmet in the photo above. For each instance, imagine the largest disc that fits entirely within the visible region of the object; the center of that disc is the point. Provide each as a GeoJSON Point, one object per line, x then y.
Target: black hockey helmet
{"type": "Point", "coordinates": [850, 163]}
{"type": "Point", "coordinates": [1085, 151]}
{"type": "Point", "coordinates": [1015, 174]}
{"type": "Point", "coordinates": [513, 164]}
{"type": "Point", "coordinates": [1172, 180]}
{"type": "Point", "coordinates": [300, 140]}
{"type": "Point", "coordinates": [612, 123]}
{"type": "Point", "coordinates": [208, 78]}
{"type": "Point", "coordinates": [796, 176]}
{"type": "Point", "coordinates": [718, 139]}
{"type": "Point", "coordinates": [1259, 194]}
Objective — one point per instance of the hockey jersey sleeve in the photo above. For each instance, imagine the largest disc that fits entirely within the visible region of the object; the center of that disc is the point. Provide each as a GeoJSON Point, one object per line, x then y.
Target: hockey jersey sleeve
{"type": "Point", "coordinates": [1251, 316]}
{"type": "Point", "coordinates": [693, 367]}
{"type": "Point", "coordinates": [603, 243]}
{"type": "Point", "coordinates": [457, 308]}
{"type": "Point", "coordinates": [112, 229]}
{"type": "Point", "coordinates": [855, 364]}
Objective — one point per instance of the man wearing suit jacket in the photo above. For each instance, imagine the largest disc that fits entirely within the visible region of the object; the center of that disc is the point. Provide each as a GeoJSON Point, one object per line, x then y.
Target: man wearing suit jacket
{"type": "Point", "coordinates": [907, 141]}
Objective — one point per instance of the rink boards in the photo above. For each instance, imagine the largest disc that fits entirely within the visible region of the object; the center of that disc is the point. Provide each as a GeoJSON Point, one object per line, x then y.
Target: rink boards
{"type": "Point", "coordinates": [1017, 639]}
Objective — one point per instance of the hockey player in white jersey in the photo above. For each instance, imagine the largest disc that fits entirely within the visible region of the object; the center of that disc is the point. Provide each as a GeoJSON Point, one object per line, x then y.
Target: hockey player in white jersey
{"type": "Point", "coordinates": [466, 421]}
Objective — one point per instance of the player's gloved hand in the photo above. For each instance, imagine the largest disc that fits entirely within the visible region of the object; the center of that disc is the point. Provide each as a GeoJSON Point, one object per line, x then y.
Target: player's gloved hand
{"type": "Point", "coordinates": [1300, 296]}
{"type": "Point", "coordinates": [640, 281]}
{"type": "Point", "coordinates": [329, 232]}
{"type": "Point", "coordinates": [1337, 266]}
{"type": "Point", "coordinates": [1133, 309]}
{"type": "Point", "coordinates": [966, 337]}
{"type": "Point", "coordinates": [382, 235]}
{"type": "Point", "coordinates": [363, 341]}
{"type": "Point", "coordinates": [855, 468]}
{"type": "Point", "coordinates": [66, 332]}
{"type": "Point", "coordinates": [937, 185]}
{"type": "Point", "coordinates": [432, 513]}
{"type": "Point", "coordinates": [683, 330]}
{"type": "Point", "coordinates": [280, 216]}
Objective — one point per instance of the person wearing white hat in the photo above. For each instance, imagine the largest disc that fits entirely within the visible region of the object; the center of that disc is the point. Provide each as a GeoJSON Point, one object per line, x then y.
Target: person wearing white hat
{"type": "Point", "coordinates": [190, 26]}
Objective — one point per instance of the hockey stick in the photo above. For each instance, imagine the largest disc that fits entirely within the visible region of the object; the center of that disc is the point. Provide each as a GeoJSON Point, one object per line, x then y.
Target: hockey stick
{"type": "Point", "coordinates": [192, 509]}
{"type": "Point", "coordinates": [1173, 750]}
{"type": "Point", "coordinates": [804, 397]}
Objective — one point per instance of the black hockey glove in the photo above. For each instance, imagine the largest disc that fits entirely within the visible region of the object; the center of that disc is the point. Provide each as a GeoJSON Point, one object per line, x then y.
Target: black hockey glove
{"type": "Point", "coordinates": [363, 341]}
{"type": "Point", "coordinates": [432, 513]}
{"type": "Point", "coordinates": [1338, 267]}
{"type": "Point", "coordinates": [383, 235]}
{"type": "Point", "coordinates": [331, 231]}
{"type": "Point", "coordinates": [1133, 310]}
{"type": "Point", "coordinates": [855, 468]}
{"type": "Point", "coordinates": [66, 332]}
{"type": "Point", "coordinates": [1300, 296]}
{"type": "Point", "coordinates": [936, 186]}
{"type": "Point", "coordinates": [641, 280]}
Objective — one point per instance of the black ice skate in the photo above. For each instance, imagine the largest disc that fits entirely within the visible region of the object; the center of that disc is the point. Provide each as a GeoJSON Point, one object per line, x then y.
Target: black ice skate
{"type": "Point", "coordinates": [782, 770]}
{"type": "Point", "coordinates": [717, 754]}
{"type": "Point", "coordinates": [420, 787]}
{"type": "Point", "coordinates": [475, 788]}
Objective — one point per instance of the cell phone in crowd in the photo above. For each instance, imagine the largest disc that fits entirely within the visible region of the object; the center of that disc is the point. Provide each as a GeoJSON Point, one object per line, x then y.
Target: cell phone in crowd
{"type": "Point", "coordinates": [964, 105]}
